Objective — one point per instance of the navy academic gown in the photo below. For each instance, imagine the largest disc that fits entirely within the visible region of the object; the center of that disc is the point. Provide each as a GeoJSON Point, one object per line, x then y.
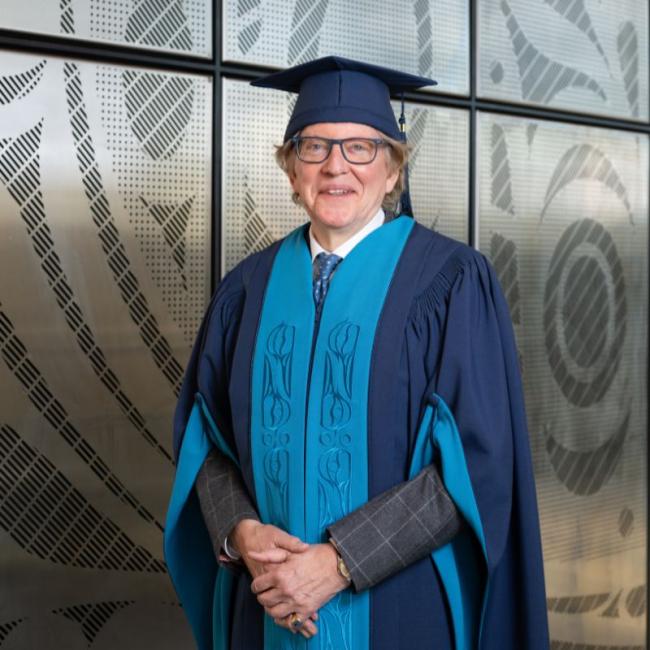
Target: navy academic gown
{"type": "Point", "coordinates": [444, 333]}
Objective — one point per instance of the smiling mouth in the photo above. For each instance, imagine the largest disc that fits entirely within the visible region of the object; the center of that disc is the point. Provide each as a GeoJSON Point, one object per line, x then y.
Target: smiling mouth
{"type": "Point", "coordinates": [337, 192]}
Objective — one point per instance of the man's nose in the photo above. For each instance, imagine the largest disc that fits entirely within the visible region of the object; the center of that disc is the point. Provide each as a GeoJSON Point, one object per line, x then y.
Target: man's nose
{"type": "Point", "coordinates": [335, 162]}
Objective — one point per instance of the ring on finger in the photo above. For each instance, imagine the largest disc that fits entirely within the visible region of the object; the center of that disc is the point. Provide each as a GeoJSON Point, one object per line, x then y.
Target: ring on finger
{"type": "Point", "coordinates": [295, 621]}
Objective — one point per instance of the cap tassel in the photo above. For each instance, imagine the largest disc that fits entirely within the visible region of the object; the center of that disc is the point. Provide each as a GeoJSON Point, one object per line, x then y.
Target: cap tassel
{"type": "Point", "coordinates": [405, 206]}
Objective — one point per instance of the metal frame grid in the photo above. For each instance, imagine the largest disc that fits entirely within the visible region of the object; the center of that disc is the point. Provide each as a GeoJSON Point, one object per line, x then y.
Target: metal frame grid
{"type": "Point", "coordinates": [217, 70]}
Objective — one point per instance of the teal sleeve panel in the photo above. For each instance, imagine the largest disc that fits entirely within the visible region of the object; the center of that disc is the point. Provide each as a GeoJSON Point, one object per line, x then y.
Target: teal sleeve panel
{"type": "Point", "coordinates": [462, 562]}
{"type": "Point", "coordinates": [203, 589]}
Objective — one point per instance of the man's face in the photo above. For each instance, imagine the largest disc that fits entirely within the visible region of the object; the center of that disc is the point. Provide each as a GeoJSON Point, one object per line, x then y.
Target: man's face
{"type": "Point", "coordinates": [339, 195]}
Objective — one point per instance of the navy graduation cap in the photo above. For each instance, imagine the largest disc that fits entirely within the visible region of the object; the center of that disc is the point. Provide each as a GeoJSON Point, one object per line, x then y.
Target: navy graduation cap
{"type": "Point", "coordinates": [334, 89]}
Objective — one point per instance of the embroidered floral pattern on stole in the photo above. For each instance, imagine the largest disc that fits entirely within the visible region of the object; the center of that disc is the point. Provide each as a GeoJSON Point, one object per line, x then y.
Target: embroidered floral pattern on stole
{"type": "Point", "coordinates": [276, 411]}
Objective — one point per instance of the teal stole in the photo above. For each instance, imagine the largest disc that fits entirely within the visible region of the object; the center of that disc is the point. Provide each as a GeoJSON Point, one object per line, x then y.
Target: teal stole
{"type": "Point", "coordinates": [309, 447]}
{"type": "Point", "coordinates": [309, 407]}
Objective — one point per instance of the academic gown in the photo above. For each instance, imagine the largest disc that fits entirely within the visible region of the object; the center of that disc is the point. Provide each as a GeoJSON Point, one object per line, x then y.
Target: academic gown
{"type": "Point", "coordinates": [443, 355]}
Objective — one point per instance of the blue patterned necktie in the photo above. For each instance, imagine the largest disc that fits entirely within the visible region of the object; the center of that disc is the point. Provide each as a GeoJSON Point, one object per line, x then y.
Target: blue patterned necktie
{"type": "Point", "coordinates": [325, 265]}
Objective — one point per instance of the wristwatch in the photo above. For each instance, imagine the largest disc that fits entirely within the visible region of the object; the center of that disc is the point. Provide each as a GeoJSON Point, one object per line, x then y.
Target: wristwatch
{"type": "Point", "coordinates": [341, 567]}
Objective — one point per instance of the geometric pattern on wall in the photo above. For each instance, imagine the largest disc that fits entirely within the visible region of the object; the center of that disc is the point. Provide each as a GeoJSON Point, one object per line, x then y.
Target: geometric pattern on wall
{"type": "Point", "coordinates": [162, 164]}
{"type": "Point", "coordinates": [256, 198]}
{"type": "Point", "coordinates": [181, 26]}
{"type": "Point", "coordinates": [590, 57]}
{"type": "Point", "coordinates": [159, 110]}
{"type": "Point", "coordinates": [7, 628]}
{"type": "Point", "coordinates": [112, 246]}
{"type": "Point", "coordinates": [16, 358]}
{"type": "Point", "coordinates": [173, 220]}
{"type": "Point", "coordinates": [17, 86]}
{"type": "Point", "coordinates": [20, 173]}
{"type": "Point", "coordinates": [563, 215]}
{"type": "Point", "coordinates": [48, 517]}
{"type": "Point", "coordinates": [93, 341]}
{"type": "Point", "coordinates": [92, 617]}
{"type": "Point", "coordinates": [426, 37]}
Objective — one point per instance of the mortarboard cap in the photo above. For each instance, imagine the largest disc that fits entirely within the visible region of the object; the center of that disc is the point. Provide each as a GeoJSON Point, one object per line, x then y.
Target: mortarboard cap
{"type": "Point", "coordinates": [334, 89]}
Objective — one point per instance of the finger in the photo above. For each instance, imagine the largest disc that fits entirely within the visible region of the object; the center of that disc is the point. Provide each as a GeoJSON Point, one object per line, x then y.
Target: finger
{"type": "Point", "coordinates": [314, 616]}
{"type": "Point", "coordinates": [290, 542]}
{"type": "Point", "coordinates": [309, 628]}
{"type": "Point", "coordinates": [281, 611]}
{"type": "Point", "coordinates": [272, 556]}
{"type": "Point", "coordinates": [270, 598]}
{"type": "Point", "coordinates": [263, 582]}
{"type": "Point", "coordinates": [283, 622]}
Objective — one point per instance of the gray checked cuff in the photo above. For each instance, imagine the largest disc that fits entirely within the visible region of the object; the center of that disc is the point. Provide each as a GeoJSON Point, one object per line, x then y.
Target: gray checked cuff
{"type": "Point", "coordinates": [223, 497]}
{"type": "Point", "coordinates": [396, 528]}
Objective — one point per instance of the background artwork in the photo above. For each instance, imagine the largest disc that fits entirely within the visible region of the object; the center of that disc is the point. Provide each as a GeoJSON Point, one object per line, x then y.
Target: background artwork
{"type": "Point", "coordinates": [422, 36]}
{"type": "Point", "coordinates": [107, 256]}
{"type": "Point", "coordinates": [585, 56]}
{"type": "Point", "coordinates": [164, 25]}
{"type": "Point", "coordinates": [104, 196]}
{"type": "Point", "coordinates": [564, 221]}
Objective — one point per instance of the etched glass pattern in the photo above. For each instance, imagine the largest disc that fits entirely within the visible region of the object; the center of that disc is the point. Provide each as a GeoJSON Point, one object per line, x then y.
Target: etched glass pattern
{"type": "Point", "coordinates": [104, 277]}
{"type": "Point", "coordinates": [563, 216]}
{"type": "Point", "coordinates": [181, 26]}
{"type": "Point", "coordinates": [256, 200]}
{"type": "Point", "coordinates": [426, 37]}
{"type": "Point", "coordinates": [590, 57]}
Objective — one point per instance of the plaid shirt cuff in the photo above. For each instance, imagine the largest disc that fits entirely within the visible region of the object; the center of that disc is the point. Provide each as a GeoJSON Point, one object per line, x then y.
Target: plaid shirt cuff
{"type": "Point", "coordinates": [223, 498]}
{"type": "Point", "coordinates": [396, 528]}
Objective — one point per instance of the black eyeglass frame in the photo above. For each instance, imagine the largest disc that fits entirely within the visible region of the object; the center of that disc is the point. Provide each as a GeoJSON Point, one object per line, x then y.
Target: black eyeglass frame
{"type": "Point", "coordinates": [297, 139]}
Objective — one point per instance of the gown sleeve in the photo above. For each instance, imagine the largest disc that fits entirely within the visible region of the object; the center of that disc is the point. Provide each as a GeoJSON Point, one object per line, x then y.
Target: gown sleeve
{"type": "Point", "coordinates": [223, 498]}
{"type": "Point", "coordinates": [395, 529]}
{"type": "Point", "coordinates": [477, 377]}
{"type": "Point", "coordinates": [208, 368]}
{"type": "Point", "coordinates": [202, 421]}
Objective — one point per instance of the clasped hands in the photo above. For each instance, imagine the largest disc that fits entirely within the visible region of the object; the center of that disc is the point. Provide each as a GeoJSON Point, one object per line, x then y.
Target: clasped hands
{"type": "Point", "coordinates": [289, 575]}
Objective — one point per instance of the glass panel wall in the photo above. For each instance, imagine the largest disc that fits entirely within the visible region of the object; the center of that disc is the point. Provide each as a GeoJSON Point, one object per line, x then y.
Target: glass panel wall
{"type": "Point", "coordinates": [589, 57]}
{"type": "Point", "coordinates": [426, 37]}
{"type": "Point", "coordinates": [564, 220]}
{"type": "Point", "coordinates": [170, 25]}
{"type": "Point", "coordinates": [104, 275]}
{"type": "Point", "coordinates": [106, 197]}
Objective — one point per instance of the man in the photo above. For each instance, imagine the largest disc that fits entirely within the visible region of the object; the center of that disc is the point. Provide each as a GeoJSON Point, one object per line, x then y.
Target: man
{"type": "Point", "coordinates": [356, 383]}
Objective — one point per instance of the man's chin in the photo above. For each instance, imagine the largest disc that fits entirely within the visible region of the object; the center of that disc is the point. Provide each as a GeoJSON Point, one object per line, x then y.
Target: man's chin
{"type": "Point", "coordinates": [334, 220]}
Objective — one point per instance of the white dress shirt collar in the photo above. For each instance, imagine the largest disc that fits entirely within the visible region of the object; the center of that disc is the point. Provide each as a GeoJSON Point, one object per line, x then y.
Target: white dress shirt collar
{"type": "Point", "coordinates": [350, 243]}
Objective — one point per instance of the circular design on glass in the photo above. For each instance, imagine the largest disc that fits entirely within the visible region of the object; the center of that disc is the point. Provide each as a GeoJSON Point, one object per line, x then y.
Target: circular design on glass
{"type": "Point", "coordinates": [284, 439]}
{"type": "Point", "coordinates": [346, 439]}
{"type": "Point", "coordinates": [267, 439]}
{"type": "Point", "coordinates": [585, 312]}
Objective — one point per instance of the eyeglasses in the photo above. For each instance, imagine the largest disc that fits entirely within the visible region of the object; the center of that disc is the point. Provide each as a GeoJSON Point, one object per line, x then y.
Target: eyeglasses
{"type": "Point", "coordinates": [358, 151]}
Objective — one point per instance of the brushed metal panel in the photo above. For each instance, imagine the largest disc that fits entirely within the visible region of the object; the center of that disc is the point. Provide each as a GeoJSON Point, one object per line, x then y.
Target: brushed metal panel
{"type": "Point", "coordinates": [256, 200]}
{"type": "Point", "coordinates": [104, 277]}
{"type": "Point", "coordinates": [564, 218]}
{"type": "Point", "coordinates": [428, 37]}
{"type": "Point", "coordinates": [182, 26]}
{"type": "Point", "coordinates": [590, 57]}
